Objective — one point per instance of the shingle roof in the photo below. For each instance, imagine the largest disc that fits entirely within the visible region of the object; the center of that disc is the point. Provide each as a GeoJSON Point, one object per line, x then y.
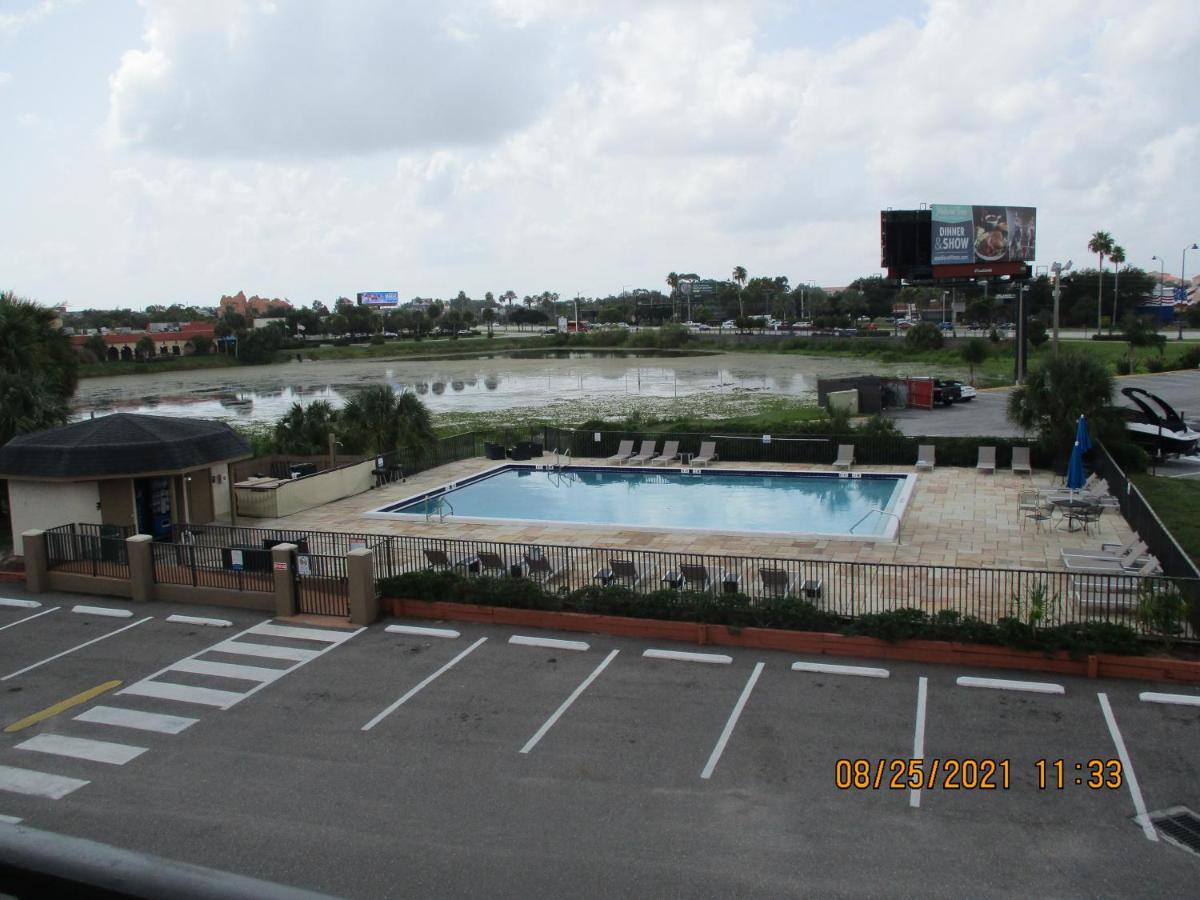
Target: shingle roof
{"type": "Point", "coordinates": [120, 444]}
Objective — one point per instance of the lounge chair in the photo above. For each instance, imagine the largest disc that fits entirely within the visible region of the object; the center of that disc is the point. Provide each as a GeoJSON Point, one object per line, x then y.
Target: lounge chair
{"type": "Point", "coordinates": [645, 454]}
{"type": "Point", "coordinates": [1115, 566]}
{"type": "Point", "coordinates": [777, 582]}
{"type": "Point", "coordinates": [437, 559]}
{"type": "Point", "coordinates": [624, 451]}
{"type": "Point", "coordinates": [707, 454]}
{"type": "Point", "coordinates": [845, 456]}
{"type": "Point", "coordinates": [925, 454]}
{"type": "Point", "coordinates": [1104, 584]}
{"type": "Point", "coordinates": [670, 454]}
{"type": "Point", "coordinates": [1131, 557]}
{"type": "Point", "coordinates": [1106, 551]}
{"type": "Point", "coordinates": [493, 564]}
{"type": "Point", "coordinates": [1094, 488]}
{"type": "Point", "coordinates": [987, 460]}
{"type": "Point", "coordinates": [696, 577]}
{"type": "Point", "coordinates": [1020, 461]}
{"type": "Point", "coordinates": [539, 568]}
{"type": "Point", "coordinates": [622, 570]}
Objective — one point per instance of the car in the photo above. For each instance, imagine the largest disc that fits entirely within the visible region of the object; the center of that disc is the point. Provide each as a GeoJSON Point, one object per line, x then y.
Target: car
{"type": "Point", "coordinates": [729, 323]}
{"type": "Point", "coordinates": [945, 392]}
{"type": "Point", "coordinates": [549, 331]}
{"type": "Point", "coordinates": [804, 325]}
{"type": "Point", "coordinates": [390, 334]}
{"type": "Point", "coordinates": [966, 393]}
{"type": "Point", "coordinates": [946, 326]}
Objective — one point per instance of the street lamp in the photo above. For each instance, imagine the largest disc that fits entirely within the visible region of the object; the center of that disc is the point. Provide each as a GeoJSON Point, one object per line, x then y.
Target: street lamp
{"type": "Point", "coordinates": [944, 293]}
{"type": "Point", "coordinates": [1057, 271]}
{"type": "Point", "coordinates": [1183, 265]}
{"type": "Point", "coordinates": [1162, 274]}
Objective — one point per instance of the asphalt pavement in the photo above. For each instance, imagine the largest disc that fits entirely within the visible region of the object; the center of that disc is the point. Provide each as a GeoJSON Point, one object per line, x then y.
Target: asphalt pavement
{"type": "Point", "coordinates": [370, 763]}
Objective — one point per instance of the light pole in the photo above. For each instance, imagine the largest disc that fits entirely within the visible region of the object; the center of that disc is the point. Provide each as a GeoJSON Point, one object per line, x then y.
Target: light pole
{"type": "Point", "coordinates": [1183, 266]}
{"type": "Point", "coordinates": [1057, 271]}
{"type": "Point", "coordinates": [1162, 274]}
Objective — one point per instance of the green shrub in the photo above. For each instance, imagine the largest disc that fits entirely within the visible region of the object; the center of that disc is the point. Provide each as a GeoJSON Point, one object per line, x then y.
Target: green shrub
{"type": "Point", "coordinates": [1156, 364]}
{"type": "Point", "coordinates": [1125, 366]}
{"type": "Point", "coordinates": [1190, 358]}
{"type": "Point", "coordinates": [923, 337]}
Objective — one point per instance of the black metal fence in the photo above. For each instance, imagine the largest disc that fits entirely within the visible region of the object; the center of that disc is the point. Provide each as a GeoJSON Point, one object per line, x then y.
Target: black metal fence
{"type": "Point", "coordinates": [88, 549]}
{"type": "Point", "coordinates": [1142, 518]}
{"type": "Point", "coordinates": [322, 585]}
{"type": "Point", "coordinates": [206, 565]}
{"type": "Point", "coordinates": [885, 450]}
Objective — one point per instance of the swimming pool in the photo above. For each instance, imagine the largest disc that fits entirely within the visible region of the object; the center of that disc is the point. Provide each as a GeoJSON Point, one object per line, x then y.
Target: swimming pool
{"type": "Point", "coordinates": [855, 505]}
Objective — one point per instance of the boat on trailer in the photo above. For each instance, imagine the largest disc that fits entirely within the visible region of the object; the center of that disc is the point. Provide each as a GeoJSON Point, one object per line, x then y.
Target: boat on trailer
{"type": "Point", "coordinates": [1156, 426]}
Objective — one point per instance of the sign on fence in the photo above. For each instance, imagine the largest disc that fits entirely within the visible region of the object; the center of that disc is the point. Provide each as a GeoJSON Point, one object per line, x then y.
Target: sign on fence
{"type": "Point", "coordinates": [303, 566]}
{"type": "Point", "coordinates": [280, 567]}
{"type": "Point", "coordinates": [235, 560]}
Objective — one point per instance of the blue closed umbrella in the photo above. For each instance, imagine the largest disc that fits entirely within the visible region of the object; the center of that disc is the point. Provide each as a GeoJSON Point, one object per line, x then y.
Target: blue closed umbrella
{"type": "Point", "coordinates": [1075, 476]}
{"type": "Point", "coordinates": [1082, 436]}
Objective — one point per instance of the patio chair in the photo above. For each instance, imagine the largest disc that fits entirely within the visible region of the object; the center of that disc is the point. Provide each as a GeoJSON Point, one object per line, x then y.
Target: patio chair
{"type": "Point", "coordinates": [925, 454]}
{"type": "Point", "coordinates": [670, 454]}
{"type": "Point", "coordinates": [1020, 461]}
{"type": "Point", "coordinates": [624, 451]}
{"type": "Point", "coordinates": [437, 559]}
{"type": "Point", "coordinates": [538, 568]}
{"type": "Point", "coordinates": [1129, 556]}
{"type": "Point", "coordinates": [707, 454]}
{"type": "Point", "coordinates": [777, 582]}
{"type": "Point", "coordinates": [845, 456]}
{"type": "Point", "coordinates": [1032, 507]}
{"type": "Point", "coordinates": [645, 454]}
{"type": "Point", "coordinates": [492, 564]}
{"type": "Point", "coordinates": [623, 570]}
{"type": "Point", "coordinates": [987, 460]}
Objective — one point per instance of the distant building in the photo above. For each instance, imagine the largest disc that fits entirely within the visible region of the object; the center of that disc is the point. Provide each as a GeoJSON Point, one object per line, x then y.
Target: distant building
{"type": "Point", "coordinates": [252, 307]}
{"type": "Point", "coordinates": [122, 343]}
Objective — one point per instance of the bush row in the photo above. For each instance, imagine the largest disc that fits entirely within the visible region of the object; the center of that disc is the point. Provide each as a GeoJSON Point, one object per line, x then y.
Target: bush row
{"type": "Point", "coordinates": [741, 611]}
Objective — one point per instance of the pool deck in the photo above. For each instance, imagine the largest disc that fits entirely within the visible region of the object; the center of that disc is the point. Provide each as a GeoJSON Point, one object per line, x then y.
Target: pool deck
{"type": "Point", "coordinates": [955, 517]}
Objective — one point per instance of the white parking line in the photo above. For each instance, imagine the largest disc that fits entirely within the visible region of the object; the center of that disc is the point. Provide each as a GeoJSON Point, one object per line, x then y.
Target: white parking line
{"type": "Point", "coordinates": [733, 717]}
{"type": "Point", "coordinates": [133, 718]}
{"type": "Point", "coordinates": [19, 604]}
{"type": "Point", "coordinates": [1003, 684]}
{"type": "Point", "coordinates": [82, 748]}
{"type": "Point", "coordinates": [27, 618]}
{"type": "Point", "coordinates": [914, 794]}
{"type": "Point", "coordinates": [200, 620]}
{"type": "Point", "coordinates": [549, 723]}
{"type": "Point", "coordinates": [683, 656]}
{"type": "Point", "coordinates": [831, 669]}
{"type": "Point", "coordinates": [73, 649]}
{"type": "Point", "coordinates": [37, 784]}
{"type": "Point", "coordinates": [1139, 805]}
{"type": "Point", "coordinates": [421, 686]}
{"type": "Point", "coordinates": [102, 611]}
{"type": "Point", "coordinates": [423, 632]}
{"type": "Point", "coordinates": [551, 643]}
{"type": "Point", "coordinates": [1177, 699]}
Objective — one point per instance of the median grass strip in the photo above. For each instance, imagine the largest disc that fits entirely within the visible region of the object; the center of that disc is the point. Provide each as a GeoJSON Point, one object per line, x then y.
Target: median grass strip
{"type": "Point", "coordinates": [1175, 501]}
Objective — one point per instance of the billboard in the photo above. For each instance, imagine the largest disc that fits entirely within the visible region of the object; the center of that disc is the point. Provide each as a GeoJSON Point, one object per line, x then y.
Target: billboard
{"type": "Point", "coordinates": [974, 234]}
{"type": "Point", "coordinates": [379, 298]}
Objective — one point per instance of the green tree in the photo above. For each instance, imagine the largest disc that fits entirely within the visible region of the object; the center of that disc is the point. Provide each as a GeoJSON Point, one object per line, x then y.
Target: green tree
{"type": "Point", "coordinates": [1117, 255]}
{"type": "Point", "coordinates": [201, 345]}
{"type": "Point", "coordinates": [1101, 244]}
{"type": "Point", "coordinates": [1138, 333]}
{"type": "Point", "coordinates": [489, 316]}
{"type": "Point", "coordinates": [305, 430]}
{"type": "Point", "coordinates": [38, 368]}
{"type": "Point", "coordinates": [257, 347]}
{"type": "Point", "coordinates": [974, 352]}
{"type": "Point", "coordinates": [923, 337]}
{"type": "Point", "coordinates": [739, 277]}
{"type": "Point", "coordinates": [144, 348]}
{"type": "Point", "coordinates": [377, 420]}
{"type": "Point", "coordinates": [95, 345]}
{"type": "Point", "coordinates": [1036, 330]}
{"type": "Point", "coordinates": [1056, 393]}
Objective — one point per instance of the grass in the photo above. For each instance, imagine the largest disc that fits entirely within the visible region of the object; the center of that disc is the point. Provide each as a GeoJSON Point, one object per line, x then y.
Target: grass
{"type": "Point", "coordinates": [168, 364]}
{"type": "Point", "coordinates": [1175, 500]}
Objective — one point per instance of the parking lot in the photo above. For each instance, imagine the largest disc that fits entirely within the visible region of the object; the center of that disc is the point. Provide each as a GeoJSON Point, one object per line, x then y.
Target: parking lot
{"type": "Point", "coordinates": [375, 763]}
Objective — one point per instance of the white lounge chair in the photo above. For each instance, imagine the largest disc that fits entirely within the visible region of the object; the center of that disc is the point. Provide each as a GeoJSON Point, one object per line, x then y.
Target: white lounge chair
{"type": "Point", "coordinates": [987, 460]}
{"type": "Point", "coordinates": [624, 452]}
{"type": "Point", "coordinates": [1107, 551]}
{"type": "Point", "coordinates": [670, 454]}
{"type": "Point", "coordinates": [1113, 566]}
{"type": "Point", "coordinates": [645, 455]}
{"type": "Point", "coordinates": [1020, 461]}
{"type": "Point", "coordinates": [925, 456]}
{"type": "Point", "coordinates": [845, 456]}
{"type": "Point", "coordinates": [707, 454]}
{"type": "Point", "coordinates": [1101, 587]}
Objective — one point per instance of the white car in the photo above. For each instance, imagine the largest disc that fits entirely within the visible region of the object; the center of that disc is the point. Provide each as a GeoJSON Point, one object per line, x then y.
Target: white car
{"type": "Point", "coordinates": [729, 323]}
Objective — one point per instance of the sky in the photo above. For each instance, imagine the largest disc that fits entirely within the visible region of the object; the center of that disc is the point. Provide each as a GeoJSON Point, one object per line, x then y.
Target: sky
{"type": "Point", "coordinates": [170, 151]}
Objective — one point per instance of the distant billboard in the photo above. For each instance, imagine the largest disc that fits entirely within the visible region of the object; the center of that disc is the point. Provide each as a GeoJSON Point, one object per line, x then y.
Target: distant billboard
{"type": "Point", "coordinates": [974, 234]}
{"type": "Point", "coordinates": [379, 298]}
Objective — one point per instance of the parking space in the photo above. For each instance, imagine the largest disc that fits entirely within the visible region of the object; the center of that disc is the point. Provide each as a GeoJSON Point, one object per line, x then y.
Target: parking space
{"type": "Point", "coordinates": [454, 759]}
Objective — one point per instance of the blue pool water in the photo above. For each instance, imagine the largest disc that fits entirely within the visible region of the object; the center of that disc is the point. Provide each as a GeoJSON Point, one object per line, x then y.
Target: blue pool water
{"type": "Point", "coordinates": [723, 500]}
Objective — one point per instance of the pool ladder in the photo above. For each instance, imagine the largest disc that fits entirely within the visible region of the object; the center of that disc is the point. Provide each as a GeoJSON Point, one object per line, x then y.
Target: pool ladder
{"type": "Point", "coordinates": [442, 505]}
{"type": "Point", "coordinates": [882, 512]}
{"type": "Point", "coordinates": [559, 461]}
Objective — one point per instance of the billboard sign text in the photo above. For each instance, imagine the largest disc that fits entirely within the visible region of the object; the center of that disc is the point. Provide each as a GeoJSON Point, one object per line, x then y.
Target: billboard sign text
{"type": "Point", "coordinates": [379, 298]}
{"type": "Point", "coordinates": [975, 234]}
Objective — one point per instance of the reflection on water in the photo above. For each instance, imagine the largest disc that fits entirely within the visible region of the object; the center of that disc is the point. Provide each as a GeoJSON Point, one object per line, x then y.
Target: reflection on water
{"type": "Point", "coordinates": [263, 394]}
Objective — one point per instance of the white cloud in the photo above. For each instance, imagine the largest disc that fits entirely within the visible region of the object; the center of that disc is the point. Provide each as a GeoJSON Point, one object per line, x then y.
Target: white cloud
{"type": "Point", "coordinates": [5, 78]}
{"type": "Point", "coordinates": [13, 22]}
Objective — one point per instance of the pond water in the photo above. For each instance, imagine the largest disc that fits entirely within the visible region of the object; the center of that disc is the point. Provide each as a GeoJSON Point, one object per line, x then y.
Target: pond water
{"type": "Point", "coordinates": [478, 383]}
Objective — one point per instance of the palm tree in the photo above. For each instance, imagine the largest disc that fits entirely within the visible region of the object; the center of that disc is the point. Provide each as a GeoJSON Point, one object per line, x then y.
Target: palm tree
{"type": "Point", "coordinates": [1117, 255]}
{"type": "Point", "coordinates": [1056, 393]}
{"type": "Point", "coordinates": [304, 430]}
{"type": "Point", "coordinates": [38, 368]}
{"type": "Point", "coordinates": [1101, 244]}
{"type": "Point", "coordinates": [376, 420]}
{"type": "Point", "coordinates": [739, 276]}
{"type": "Point", "coordinates": [489, 316]}
{"type": "Point", "coordinates": [673, 283]}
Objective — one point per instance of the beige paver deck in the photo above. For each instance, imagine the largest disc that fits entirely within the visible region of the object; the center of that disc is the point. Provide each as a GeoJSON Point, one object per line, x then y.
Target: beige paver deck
{"type": "Point", "coordinates": [955, 517]}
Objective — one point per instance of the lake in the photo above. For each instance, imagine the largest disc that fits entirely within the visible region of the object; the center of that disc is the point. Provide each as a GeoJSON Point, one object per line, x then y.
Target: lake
{"type": "Point", "coordinates": [475, 383]}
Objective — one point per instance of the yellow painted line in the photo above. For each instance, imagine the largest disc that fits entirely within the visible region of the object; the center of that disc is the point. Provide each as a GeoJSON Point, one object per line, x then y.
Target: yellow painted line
{"type": "Point", "coordinates": [62, 706]}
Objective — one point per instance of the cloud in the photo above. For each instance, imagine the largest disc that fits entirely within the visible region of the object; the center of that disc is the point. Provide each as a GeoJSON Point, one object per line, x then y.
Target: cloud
{"type": "Point", "coordinates": [258, 79]}
{"type": "Point", "coordinates": [5, 78]}
{"type": "Point", "coordinates": [12, 23]}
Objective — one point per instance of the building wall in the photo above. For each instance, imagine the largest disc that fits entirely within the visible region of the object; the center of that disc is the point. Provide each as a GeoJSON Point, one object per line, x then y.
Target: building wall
{"type": "Point", "coordinates": [46, 504]}
{"type": "Point", "coordinates": [219, 478]}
